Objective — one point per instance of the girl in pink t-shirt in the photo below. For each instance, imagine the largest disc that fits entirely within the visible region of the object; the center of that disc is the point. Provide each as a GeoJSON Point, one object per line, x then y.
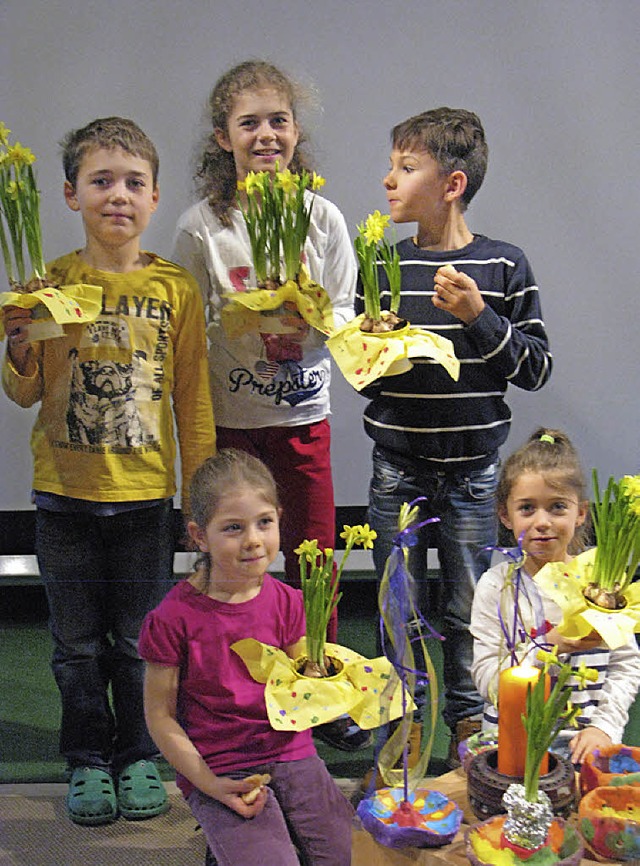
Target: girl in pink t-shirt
{"type": "Point", "coordinates": [203, 709]}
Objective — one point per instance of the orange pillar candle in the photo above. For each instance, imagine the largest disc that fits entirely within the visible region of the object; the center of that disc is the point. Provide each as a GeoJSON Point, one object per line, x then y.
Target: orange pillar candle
{"type": "Point", "coordinates": [512, 703]}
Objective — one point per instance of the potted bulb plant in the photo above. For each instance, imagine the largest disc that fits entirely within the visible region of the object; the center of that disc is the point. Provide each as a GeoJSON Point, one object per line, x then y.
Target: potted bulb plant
{"type": "Point", "coordinates": [320, 588]}
{"type": "Point", "coordinates": [379, 342]}
{"type": "Point", "coordinates": [616, 521]}
{"type": "Point", "coordinates": [22, 251]}
{"type": "Point", "coordinates": [323, 680]}
{"type": "Point", "coordinates": [277, 211]}
{"type": "Point", "coordinates": [598, 584]}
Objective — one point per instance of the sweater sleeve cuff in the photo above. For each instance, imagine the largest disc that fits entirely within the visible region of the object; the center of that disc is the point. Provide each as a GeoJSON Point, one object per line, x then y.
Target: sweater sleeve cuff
{"type": "Point", "coordinates": [487, 330]}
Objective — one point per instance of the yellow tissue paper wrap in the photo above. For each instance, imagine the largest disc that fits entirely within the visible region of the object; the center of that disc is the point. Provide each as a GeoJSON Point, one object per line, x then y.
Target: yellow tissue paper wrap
{"type": "Point", "coordinates": [66, 305]}
{"type": "Point", "coordinates": [368, 690]}
{"type": "Point", "coordinates": [363, 357]}
{"type": "Point", "coordinates": [249, 312]}
{"type": "Point", "coordinates": [564, 582]}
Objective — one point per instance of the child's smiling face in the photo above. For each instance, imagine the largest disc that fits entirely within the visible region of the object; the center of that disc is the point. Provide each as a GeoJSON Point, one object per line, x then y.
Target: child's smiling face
{"type": "Point", "coordinates": [242, 539]}
{"type": "Point", "coordinates": [261, 131]}
{"type": "Point", "coordinates": [545, 516]}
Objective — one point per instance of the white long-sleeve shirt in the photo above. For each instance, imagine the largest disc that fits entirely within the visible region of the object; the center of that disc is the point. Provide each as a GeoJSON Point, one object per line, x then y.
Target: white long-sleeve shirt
{"type": "Point", "coordinates": [248, 389]}
{"type": "Point", "coordinates": [603, 704]}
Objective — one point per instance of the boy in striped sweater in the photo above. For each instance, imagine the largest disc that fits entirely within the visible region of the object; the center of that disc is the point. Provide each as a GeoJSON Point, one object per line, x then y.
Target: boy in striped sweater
{"type": "Point", "coordinates": [433, 437]}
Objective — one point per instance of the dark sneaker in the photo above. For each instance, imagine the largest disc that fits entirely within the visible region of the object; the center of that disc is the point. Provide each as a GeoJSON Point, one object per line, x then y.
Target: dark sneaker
{"type": "Point", "coordinates": [343, 734]}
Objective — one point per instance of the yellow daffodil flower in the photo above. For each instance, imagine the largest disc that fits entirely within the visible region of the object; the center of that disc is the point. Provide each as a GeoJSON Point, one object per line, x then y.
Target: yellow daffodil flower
{"type": "Point", "coordinates": [317, 182]}
{"type": "Point", "coordinates": [20, 155]}
{"type": "Point", "coordinates": [630, 485]}
{"type": "Point", "coordinates": [5, 132]}
{"type": "Point", "coordinates": [308, 549]}
{"type": "Point", "coordinates": [287, 181]}
{"type": "Point", "coordinates": [585, 674]}
{"type": "Point", "coordinates": [373, 230]}
{"type": "Point", "coordinates": [548, 657]}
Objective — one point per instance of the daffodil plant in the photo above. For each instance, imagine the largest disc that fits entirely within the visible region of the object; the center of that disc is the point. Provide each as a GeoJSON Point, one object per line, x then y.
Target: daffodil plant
{"type": "Point", "coordinates": [320, 583]}
{"type": "Point", "coordinates": [19, 213]}
{"type": "Point", "coordinates": [546, 717]}
{"type": "Point", "coordinates": [277, 215]}
{"type": "Point", "coordinates": [616, 520]}
{"type": "Point", "coordinates": [372, 247]}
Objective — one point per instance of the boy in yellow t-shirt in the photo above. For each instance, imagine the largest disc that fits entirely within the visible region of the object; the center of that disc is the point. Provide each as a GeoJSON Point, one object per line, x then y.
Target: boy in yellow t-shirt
{"type": "Point", "coordinates": [104, 453]}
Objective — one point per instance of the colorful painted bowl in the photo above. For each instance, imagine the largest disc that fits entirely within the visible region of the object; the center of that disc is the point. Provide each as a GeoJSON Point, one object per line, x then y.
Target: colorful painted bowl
{"type": "Point", "coordinates": [611, 765]}
{"type": "Point", "coordinates": [609, 820]}
{"type": "Point", "coordinates": [427, 819]}
{"type": "Point", "coordinates": [484, 845]}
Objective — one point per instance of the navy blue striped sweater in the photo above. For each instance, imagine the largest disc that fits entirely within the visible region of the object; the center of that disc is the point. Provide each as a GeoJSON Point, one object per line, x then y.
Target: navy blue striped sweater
{"type": "Point", "coordinates": [423, 413]}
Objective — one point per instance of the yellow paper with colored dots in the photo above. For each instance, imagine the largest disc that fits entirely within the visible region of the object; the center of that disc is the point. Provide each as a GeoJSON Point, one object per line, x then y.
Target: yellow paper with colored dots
{"type": "Point", "coordinates": [368, 690]}
{"type": "Point", "coordinates": [249, 312]}
{"type": "Point", "coordinates": [66, 305]}
{"type": "Point", "coordinates": [364, 357]}
{"type": "Point", "coordinates": [564, 583]}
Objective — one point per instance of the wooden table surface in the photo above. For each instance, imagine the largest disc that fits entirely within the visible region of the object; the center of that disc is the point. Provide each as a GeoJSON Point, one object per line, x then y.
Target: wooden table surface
{"type": "Point", "coordinates": [367, 852]}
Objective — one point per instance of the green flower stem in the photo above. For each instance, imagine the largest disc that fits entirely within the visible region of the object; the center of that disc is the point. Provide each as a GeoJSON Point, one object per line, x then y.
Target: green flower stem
{"type": "Point", "coordinates": [544, 718]}
{"type": "Point", "coordinates": [616, 521]}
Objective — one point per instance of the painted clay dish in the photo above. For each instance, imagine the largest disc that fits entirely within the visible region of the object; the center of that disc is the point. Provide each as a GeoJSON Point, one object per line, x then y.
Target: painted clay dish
{"type": "Point", "coordinates": [611, 765]}
{"type": "Point", "coordinates": [609, 820]}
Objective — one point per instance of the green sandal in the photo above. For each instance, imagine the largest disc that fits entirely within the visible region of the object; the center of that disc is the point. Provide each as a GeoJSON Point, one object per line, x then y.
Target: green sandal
{"type": "Point", "coordinates": [141, 793]}
{"type": "Point", "coordinates": [91, 798]}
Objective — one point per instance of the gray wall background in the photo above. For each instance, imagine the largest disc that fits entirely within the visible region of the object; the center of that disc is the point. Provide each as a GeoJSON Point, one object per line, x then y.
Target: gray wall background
{"type": "Point", "coordinates": [554, 81]}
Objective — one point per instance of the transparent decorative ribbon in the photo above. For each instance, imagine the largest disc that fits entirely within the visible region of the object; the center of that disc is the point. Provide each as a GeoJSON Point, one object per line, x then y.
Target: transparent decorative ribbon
{"type": "Point", "coordinates": [364, 357]}
{"type": "Point", "coordinates": [65, 305]}
{"type": "Point", "coordinates": [399, 616]}
{"type": "Point", "coordinates": [564, 583]}
{"type": "Point", "coordinates": [366, 689]}
{"type": "Point", "coordinates": [250, 311]}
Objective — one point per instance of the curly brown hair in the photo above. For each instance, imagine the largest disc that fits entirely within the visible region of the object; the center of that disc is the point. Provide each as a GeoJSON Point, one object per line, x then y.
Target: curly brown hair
{"type": "Point", "coordinates": [216, 173]}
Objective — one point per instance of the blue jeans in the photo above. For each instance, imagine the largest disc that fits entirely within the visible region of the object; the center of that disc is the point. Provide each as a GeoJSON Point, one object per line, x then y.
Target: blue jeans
{"type": "Point", "coordinates": [101, 576]}
{"type": "Point", "coordinates": [466, 506]}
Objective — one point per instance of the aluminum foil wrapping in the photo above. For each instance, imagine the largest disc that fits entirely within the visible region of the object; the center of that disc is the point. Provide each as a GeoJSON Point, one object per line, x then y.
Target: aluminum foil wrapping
{"type": "Point", "coordinates": [527, 824]}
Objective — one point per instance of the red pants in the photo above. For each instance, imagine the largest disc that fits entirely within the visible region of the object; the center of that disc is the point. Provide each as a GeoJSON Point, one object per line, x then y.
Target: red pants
{"type": "Point", "coordinates": [300, 461]}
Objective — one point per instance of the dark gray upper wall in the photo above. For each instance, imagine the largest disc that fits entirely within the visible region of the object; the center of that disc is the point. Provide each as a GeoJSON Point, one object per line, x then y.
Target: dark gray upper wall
{"type": "Point", "coordinates": [555, 83]}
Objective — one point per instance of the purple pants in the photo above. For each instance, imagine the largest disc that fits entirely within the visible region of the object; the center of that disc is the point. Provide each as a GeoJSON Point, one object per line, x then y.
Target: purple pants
{"type": "Point", "coordinates": [305, 809]}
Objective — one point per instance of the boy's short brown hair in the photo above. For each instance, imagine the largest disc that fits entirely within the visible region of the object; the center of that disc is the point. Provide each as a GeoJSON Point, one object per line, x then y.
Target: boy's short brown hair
{"type": "Point", "coordinates": [454, 137]}
{"type": "Point", "coordinates": [107, 133]}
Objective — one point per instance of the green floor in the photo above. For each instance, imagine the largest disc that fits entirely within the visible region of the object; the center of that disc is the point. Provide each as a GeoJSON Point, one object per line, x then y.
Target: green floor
{"type": "Point", "coordinates": [30, 708]}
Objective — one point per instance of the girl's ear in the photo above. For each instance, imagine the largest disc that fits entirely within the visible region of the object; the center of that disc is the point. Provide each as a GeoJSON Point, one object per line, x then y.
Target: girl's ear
{"type": "Point", "coordinates": [222, 137]}
{"type": "Point", "coordinates": [583, 511]}
{"type": "Point", "coordinates": [504, 517]}
{"type": "Point", "coordinates": [198, 536]}
{"type": "Point", "coordinates": [70, 196]}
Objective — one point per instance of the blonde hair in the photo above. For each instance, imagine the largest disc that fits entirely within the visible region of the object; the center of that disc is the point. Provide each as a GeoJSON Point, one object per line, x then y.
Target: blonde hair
{"type": "Point", "coordinates": [216, 177]}
{"type": "Point", "coordinates": [550, 453]}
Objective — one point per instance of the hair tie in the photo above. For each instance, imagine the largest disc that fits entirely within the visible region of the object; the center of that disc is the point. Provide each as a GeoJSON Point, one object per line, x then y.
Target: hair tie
{"type": "Point", "coordinates": [547, 437]}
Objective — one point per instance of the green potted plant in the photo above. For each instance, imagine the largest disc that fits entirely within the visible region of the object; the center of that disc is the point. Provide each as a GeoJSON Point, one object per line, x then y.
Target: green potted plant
{"type": "Point", "coordinates": [320, 588]}
{"type": "Point", "coordinates": [22, 251]}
